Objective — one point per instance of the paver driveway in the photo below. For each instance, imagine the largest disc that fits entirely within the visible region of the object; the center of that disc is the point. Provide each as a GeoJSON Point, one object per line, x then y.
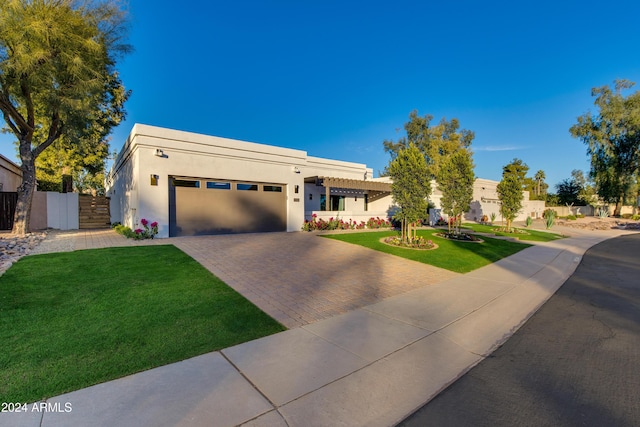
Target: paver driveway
{"type": "Point", "coordinates": [297, 278]}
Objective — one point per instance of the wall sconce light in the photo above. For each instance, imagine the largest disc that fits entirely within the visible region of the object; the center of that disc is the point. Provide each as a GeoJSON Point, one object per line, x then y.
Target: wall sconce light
{"type": "Point", "coordinates": [159, 153]}
{"type": "Point", "coordinates": [154, 179]}
{"type": "Point", "coordinates": [296, 170]}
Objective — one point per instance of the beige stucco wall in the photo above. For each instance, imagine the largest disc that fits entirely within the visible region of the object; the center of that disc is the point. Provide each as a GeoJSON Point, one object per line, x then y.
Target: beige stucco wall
{"type": "Point", "coordinates": [485, 202]}
{"type": "Point", "coordinates": [10, 175]}
{"type": "Point", "coordinates": [38, 218]}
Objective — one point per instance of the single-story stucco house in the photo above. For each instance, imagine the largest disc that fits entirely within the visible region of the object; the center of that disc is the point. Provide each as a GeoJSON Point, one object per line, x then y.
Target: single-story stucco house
{"type": "Point", "coordinates": [193, 184]}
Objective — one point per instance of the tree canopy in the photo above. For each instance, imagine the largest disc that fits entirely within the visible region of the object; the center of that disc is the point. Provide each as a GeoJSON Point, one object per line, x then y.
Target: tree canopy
{"type": "Point", "coordinates": [435, 142]}
{"type": "Point", "coordinates": [612, 137]}
{"type": "Point", "coordinates": [58, 78]}
{"type": "Point", "coordinates": [517, 168]}
{"type": "Point", "coordinates": [410, 187]}
{"type": "Point", "coordinates": [455, 180]}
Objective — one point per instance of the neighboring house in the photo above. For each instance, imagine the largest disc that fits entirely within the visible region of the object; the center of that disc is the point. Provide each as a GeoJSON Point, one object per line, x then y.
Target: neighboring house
{"type": "Point", "coordinates": [485, 202]}
{"type": "Point", "coordinates": [10, 175]}
{"type": "Point", "coordinates": [194, 184]}
{"type": "Point", "coordinates": [10, 179]}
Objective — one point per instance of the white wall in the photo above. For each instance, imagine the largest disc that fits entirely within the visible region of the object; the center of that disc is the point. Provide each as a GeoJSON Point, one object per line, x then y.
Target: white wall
{"type": "Point", "coordinates": [63, 211]}
{"type": "Point", "coordinates": [199, 156]}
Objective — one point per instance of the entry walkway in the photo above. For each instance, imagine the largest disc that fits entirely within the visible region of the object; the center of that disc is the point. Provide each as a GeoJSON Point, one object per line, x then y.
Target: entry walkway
{"type": "Point", "coordinates": [370, 366]}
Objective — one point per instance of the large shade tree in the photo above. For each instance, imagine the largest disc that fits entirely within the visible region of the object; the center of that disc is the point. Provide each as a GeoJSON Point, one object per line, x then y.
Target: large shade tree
{"type": "Point", "coordinates": [410, 187]}
{"type": "Point", "coordinates": [435, 142]}
{"type": "Point", "coordinates": [612, 137]}
{"type": "Point", "coordinates": [455, 180]}
{"type": "Point", "coordinates": [58, 79]}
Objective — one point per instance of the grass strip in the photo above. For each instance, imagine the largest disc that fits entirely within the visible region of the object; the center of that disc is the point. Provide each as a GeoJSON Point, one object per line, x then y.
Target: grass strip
{"type": "Point", "coordinates": [461, 257]}
{"type": "Point", "coordinates": [71, 320]}
{"type": "Point", "coordinates": [528, 235]}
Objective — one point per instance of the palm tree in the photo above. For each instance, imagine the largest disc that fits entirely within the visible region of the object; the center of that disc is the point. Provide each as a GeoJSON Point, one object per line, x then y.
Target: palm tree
{"type": "Point", "coordinates": [539, 177]}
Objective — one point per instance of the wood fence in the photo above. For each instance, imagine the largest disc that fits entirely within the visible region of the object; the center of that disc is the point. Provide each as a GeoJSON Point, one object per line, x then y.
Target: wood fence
{"type": "Point", "coordinates": [8, 201]}
{"type": "Point", "coordinates": [94, 211]}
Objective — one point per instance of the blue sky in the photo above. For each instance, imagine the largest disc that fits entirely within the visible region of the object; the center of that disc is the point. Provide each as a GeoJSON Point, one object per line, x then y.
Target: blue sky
{"type": "Point", "coordinates": [336, 78]}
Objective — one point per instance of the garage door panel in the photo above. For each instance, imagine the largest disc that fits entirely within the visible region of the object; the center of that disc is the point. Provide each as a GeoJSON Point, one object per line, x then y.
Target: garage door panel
{"type": "Point", "coordinates": [218, 210]}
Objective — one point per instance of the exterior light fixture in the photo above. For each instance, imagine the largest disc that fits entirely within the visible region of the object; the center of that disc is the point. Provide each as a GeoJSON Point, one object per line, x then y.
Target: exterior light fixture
{"type": "Point", "coordinates": [296, 170]}
{"type": "Point", "coordinates": [159, 152]}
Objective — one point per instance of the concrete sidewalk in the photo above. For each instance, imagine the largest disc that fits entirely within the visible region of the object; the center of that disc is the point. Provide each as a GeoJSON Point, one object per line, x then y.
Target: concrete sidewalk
{"type": "Point", "coordinates": [371, 366]}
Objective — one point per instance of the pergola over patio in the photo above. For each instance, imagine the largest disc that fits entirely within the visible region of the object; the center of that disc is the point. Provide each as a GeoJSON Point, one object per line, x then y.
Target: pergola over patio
{"type": "Point", "coordinates": [374, 189]}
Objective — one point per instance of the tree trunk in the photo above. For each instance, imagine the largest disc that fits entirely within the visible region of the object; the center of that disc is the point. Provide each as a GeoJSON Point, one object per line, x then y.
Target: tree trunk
{"type": "Point", "coordinates": [25, 194]}
{"type": "Point", "coordinates": [618, 208]}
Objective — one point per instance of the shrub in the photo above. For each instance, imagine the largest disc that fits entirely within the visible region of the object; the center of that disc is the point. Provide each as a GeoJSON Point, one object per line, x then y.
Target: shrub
{"type": "Point", "coordinates": [441, 221]}
{"type": "Point", "coordinates": [148, 232]}
{"type": "Point", "coordinates": [465, 237]}
{"type": "Point", "coordinates": [571, 217]}
{"type": "Point", "coordinates": [378, 223]}
{"type": "Point", "coordinates": [417, 242]}
{"type": "Point", "coordinates": [635, 217]}
{"type": "Point", "coordinates": [338, 224]}
{"type": "Point", "coordinates": [550, 217]}
{"type": "Point", "coordinates": [493, 217]}
{"type": "Point", "coordinates": [528, 222]}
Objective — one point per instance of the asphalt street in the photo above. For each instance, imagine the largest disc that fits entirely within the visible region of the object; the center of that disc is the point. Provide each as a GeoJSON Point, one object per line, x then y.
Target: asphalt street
{"type": "Point", "coordinates": [576, 362]}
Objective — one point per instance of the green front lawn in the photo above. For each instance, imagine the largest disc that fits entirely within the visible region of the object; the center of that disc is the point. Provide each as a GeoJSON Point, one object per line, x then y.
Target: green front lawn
{"type": "Point", "coordinates": [70, 320]}
{"type": "Point", "coordinates": [460, 257]}
{"type": "Point", "coordinates": [529, 234]}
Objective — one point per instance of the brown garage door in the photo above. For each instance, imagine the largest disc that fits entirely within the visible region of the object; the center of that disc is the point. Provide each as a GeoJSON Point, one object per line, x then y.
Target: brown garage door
{"type": "Point", "coordinates": [215, 206]}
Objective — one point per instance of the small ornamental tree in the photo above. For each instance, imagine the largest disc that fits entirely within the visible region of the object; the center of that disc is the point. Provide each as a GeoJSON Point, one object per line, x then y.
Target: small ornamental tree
{"type": "Point", "coordinates": [455, 180]}
{"type": "Point", "coordinates": [410, 187]}
{"type": "Point", "coordinates": [510, 195]}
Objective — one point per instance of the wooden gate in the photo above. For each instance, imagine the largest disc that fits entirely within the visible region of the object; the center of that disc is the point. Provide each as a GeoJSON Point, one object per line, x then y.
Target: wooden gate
{"type": "Point", "coordinates": [94, 211]}
{"type": "Point", "coordinates": [8, 201]}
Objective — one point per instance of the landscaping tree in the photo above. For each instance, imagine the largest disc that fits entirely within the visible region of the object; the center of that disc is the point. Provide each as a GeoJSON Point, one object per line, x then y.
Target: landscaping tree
{"type": "Point", "coordinates": [612, 137]}
{"type": "Point", "coordinates": [568, 192]}
{"type": "Point", "coordinates": [518, 169]}
{"type": "Point", "coordinates": [410, 187]}
{"type": "Point", "coordinates": [510, 195]}
{"type": "Point", "coordinates": [434, 142]}
{"type": "Point", "coordinates": [455, 180]}
{"type": "Point", "coordinates": [84, 161]}
{"type": "Point", "coordinates": [58, 79]}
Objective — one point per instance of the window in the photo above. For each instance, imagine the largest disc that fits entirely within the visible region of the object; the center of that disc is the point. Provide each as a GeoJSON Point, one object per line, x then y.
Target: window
{"type": "Point", "coordinates": [273, 188]}
{"type": "Point", "coordinates": [186, 183]}
{"type": "Point", "coordinates": [247, 187]}
{"type": "Point", "coordinates": [336, 203]}
{"type": "Point", "coordinates": [219, 185]}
